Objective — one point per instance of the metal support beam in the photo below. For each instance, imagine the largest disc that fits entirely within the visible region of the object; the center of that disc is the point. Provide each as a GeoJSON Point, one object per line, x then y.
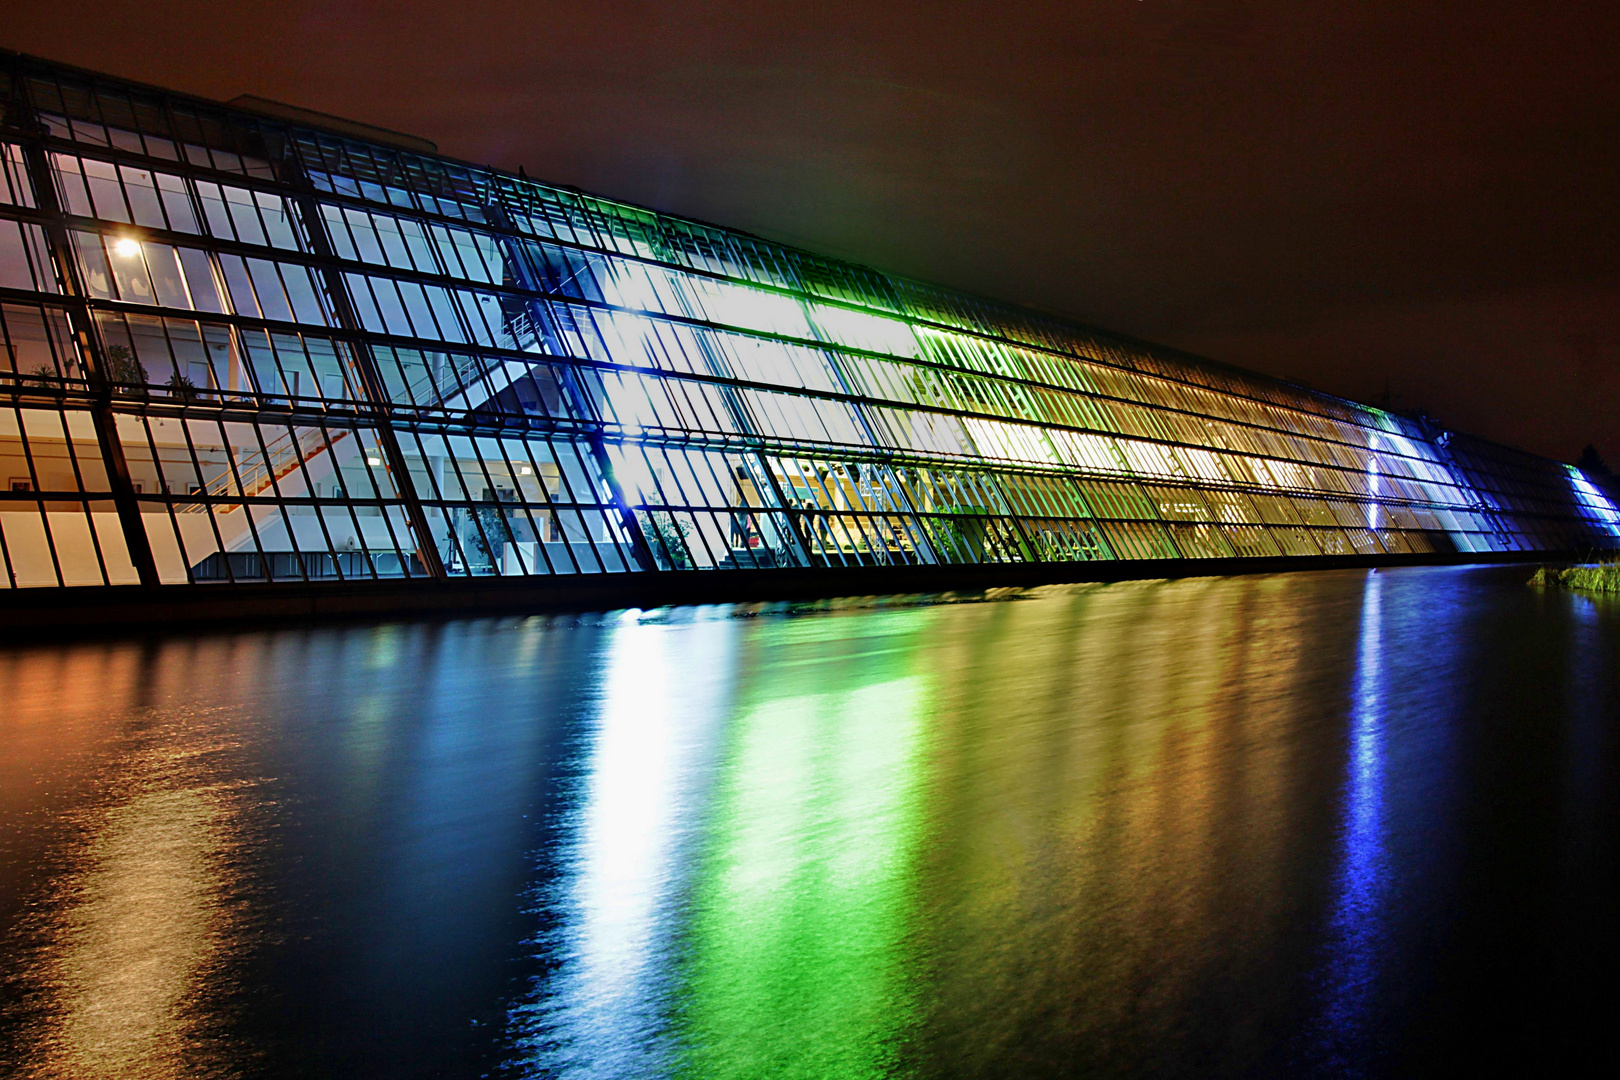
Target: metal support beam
{"type": "Point", "coordinates": [577, 396]}
{"type": "Point", "coordinates": [365, 366]}
{"type": "Point", "coordinates": [790, 513]}
{"type": "Point", "coordinates": [23, 126]}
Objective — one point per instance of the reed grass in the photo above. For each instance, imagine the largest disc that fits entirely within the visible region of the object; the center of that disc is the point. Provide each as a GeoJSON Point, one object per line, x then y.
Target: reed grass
{"type": "Point", "coordinates": [1603, 576]}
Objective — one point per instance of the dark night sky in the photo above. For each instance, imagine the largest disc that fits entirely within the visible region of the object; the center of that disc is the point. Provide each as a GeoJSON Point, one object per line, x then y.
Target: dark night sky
{"type": "Point", "coordinates": [1341, 192]}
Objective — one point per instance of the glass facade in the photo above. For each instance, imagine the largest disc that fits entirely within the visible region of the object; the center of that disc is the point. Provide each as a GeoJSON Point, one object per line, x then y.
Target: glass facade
{"type": "Point", "coordinates": [236, 349]}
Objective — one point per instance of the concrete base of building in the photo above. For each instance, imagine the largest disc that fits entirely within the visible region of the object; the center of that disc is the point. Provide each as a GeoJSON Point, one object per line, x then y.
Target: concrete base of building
{"type": "Point", "coordinates": [29, 614]}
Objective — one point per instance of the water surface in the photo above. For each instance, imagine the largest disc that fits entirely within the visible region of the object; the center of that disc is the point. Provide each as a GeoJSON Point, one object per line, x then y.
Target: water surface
{"type": "Point", "coordinates": [1336, 823]}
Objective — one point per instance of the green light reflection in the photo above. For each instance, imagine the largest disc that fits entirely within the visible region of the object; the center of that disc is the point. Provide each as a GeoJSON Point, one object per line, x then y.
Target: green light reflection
{"type": "Point", "coordinates": [796, 960]}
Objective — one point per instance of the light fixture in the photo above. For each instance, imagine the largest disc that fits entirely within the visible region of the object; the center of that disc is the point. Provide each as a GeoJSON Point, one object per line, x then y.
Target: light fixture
{"type": "Point", "coordinates": [373, 461]}
{"type": "Point", "coordinates": [127, 247]}
{"type": "Point", "coordinates": [525, 471]}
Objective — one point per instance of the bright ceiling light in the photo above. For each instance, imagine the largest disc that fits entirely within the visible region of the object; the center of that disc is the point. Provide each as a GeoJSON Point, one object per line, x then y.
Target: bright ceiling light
{"type": "Point", "coordinates": [127, 248]}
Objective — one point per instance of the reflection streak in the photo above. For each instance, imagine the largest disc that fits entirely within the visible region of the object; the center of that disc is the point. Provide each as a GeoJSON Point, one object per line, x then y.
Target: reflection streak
{"type": "Point", "coordinates": [1356, 929]}
{"type": "Point", "coordinates": [142, 926]}
{"type": "Point", "coordinates": [603, 1014]}
{"type": "Point", "coordinates": [796, 966]}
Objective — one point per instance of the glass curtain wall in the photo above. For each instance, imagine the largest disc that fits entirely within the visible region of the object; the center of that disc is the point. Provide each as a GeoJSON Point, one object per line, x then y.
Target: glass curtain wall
{"type": "Point", "coordinates": [237, 350]}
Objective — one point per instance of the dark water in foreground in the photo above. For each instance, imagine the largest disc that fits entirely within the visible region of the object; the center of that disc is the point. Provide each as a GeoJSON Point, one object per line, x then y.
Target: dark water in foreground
{"type": "Point", "coordinates": [1314, 824]}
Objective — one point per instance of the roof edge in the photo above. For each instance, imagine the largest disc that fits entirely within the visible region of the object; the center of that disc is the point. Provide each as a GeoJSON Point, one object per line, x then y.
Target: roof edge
{"type": "Point", "coordinates": [338, 125]}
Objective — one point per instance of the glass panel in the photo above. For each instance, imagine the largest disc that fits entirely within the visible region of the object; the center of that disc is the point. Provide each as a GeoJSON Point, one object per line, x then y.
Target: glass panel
{"type": "Point", "coordinates": [763, 406]}
{"type": "Point", "coordinates": [24, 263]}
{"type": "Point", "coordinates": [267, 500]}
{"type": "Point", "coordinates": [509, 505]}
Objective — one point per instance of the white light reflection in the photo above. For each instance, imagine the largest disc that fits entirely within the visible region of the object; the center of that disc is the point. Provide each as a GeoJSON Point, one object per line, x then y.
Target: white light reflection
{"type": "Point", "coordinates": [604, 1012]}
{"type": "Point", "coordinates": [1357, 928]}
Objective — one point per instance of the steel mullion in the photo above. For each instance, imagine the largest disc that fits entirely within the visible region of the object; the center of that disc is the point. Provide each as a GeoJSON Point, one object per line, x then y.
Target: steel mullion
{"type": "Point", "coordinates": [39, 501]}
{"type": "Point", "coordinates": [281, 499]}
{"type": "Point", "coordinates": [685, 504]}
{"type": "Point", "coordinates": [540, 482]}
{"type": "Point", "coordinates": [5, 556]}
{"type": "Point", "coordinates": [371, 477]}
{"type": "Point", "coordinates": [789, 513]}
{"type": "Point", "coordinates": [471, 504]}
{"type": "Point", "coordinates": [523, 501]}
{"type": "Point", "coordinates": [185, 423]}
{"type": "Point", "coordinates": [235, 473]}
{"type": "Point", "coordinates": [732, 512]}
{"type": "Point", "coordinates": [898, 456]}
{"type": "Point", "coordinates": [907, 316]}
{"type": "Point", "coordinates": [503, 444]}
{"type": "Point", "coordinates": [87, 342]}
{"type": "Point", "coordinates": [336, 285]}
{"type": "Point", "coordinates": [833, 515]}
{"type": "Point", "coordinates": [348, 503]}
{"type": "Point", "coordinates": [530, 359]}
{"type": "Point", "coordinates": [388, 272]}
{"type": "Point", "coordinates": [599, 511]}
{"type": "Point", "coordinates": [84, 494]}
{"type": "Point", "coordinates": [689, 508]}
{"type": "Point", "coordinates": [906, 510]}
{"type": "Point", "coordinates": [168, 496]}
{"type": "Point", "coordinates": [550, 512]}
{"type": "Point", "coordinates": [389, 502]}
{"type": "Point", "coordinates": [440, 501]}
{"type": "Point", "coordinates": [495, 497]}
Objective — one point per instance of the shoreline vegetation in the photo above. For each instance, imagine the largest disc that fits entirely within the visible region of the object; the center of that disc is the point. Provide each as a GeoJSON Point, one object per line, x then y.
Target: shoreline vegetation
{"type": "Point", "coordinates": [1603, 577]}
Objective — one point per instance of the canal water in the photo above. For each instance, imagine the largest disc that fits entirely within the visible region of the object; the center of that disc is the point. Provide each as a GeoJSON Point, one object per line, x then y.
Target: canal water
{"type": "Point", "coordinates": [1325, 824]}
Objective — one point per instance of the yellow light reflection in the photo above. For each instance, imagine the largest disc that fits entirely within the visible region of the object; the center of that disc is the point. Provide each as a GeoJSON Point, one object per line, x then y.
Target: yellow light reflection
{"type": "Point", "coordinates": [1108, 763]}
{"type": "Point", "coordinates": [141, 925]}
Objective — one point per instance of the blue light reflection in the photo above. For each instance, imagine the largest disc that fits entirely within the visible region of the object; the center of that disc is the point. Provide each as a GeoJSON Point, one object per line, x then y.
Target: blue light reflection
{"type": "Point", "coordinates": [1356, 930]}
